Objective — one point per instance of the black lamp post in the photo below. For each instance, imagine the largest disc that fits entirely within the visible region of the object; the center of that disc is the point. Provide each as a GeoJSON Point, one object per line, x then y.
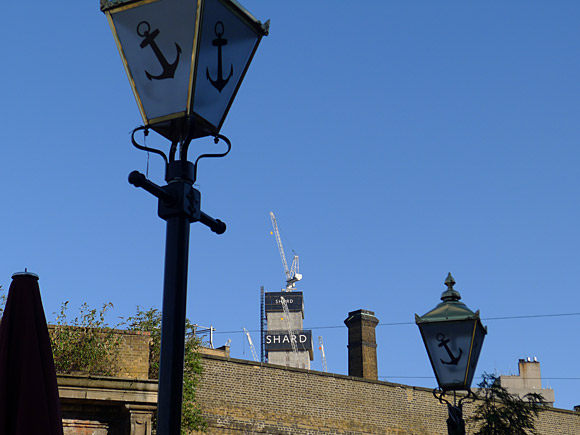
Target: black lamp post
{"type": "Point", "coordinates": [185, 60]}
{"type": "Point", "coordinates": [453, 336]}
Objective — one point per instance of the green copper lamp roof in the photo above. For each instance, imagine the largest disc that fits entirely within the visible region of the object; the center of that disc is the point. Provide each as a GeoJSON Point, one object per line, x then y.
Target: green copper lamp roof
{"type": "Point", "coordinates": [450, 309]}
{"type": "Point", "coordinates": [262, 28]}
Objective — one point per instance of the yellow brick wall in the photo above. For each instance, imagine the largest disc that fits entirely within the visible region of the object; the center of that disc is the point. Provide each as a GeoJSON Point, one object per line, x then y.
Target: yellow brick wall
{"type": "Point", "coordinates": [243, 397]}
{"type": "Point", "coordinates": [133, 359]}
{"type": "Point", "coordinates": [133, 355]}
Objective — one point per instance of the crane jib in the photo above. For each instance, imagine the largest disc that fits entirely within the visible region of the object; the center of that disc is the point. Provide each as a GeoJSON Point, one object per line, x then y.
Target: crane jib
{"type": "Point", "coordinates": [292, 273]}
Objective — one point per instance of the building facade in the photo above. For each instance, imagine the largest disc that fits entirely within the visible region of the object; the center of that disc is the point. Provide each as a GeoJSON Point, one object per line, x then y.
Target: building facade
{"type": "Point", "coordinates": [529, 380]}
{"type": "Point", "coordinates": [245, 397]}
{"type": "Point", "coordinates": [286, 342]}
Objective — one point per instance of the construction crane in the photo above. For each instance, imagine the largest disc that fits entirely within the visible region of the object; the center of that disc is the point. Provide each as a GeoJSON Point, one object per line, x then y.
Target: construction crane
{"type": "Point", "coordinates": [291, 333]}
{"type": "Point", "coordinates": [322, 354]}
{"type": "Point", "coordinates": [292, 275]}
{"type": "Point", "coordinates": [251, 343]}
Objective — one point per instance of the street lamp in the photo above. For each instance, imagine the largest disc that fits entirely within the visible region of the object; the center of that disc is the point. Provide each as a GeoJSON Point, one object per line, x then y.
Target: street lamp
{"type": "Point", "coordinates": [453, 336]}
{"type": "Point", "coordinates": [185, 60]}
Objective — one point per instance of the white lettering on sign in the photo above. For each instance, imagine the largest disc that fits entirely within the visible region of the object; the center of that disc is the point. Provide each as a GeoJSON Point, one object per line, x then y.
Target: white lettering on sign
{"type": "Point", "coordinates": [285, 340]}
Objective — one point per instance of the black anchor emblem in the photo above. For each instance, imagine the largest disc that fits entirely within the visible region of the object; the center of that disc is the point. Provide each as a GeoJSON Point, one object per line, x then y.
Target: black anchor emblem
{"type": "Point", "coordinates": [443, 342]}
{"type": "Point", "coordinates": [219, 42]}
{"type": "Point", "coordinates": [144, 30]}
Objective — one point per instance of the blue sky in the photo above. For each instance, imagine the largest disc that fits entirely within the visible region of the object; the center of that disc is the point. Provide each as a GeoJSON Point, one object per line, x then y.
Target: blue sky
{"type": "Point", "coordinates": [396, 141]}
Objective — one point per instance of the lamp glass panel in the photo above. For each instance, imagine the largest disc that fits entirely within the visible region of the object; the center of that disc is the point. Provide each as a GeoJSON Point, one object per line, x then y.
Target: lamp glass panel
{"type": "Point", "coordinates": [480, 333]}
{"type": "Point", "coordinates": [449, 346]}
{"type": "Point", "coordinates": [157, 43]}
{"type": "Point", "coordinates": [227, 35]}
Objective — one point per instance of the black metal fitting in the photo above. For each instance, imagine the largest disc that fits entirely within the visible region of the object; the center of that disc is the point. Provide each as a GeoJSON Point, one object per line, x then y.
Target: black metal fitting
{"type": "Point", "coordinates": [185, 201]}
{"type": "Point", "coordinates": [178, 197]}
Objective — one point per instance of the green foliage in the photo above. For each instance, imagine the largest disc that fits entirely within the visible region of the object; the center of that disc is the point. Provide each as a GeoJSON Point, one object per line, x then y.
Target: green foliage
{"type": "Point", "coordinates": [498, 412]}
{"type": "Point", "coordinates": [3, 298]}
{"type": "Point", "coordinates": [86, 344]}
{"type": "Point", "coordinates": [150, 321]}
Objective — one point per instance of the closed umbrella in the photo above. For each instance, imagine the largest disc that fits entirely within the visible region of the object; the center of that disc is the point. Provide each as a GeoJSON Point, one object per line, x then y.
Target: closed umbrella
{"type": "Point", "coordinates": [29, 402]}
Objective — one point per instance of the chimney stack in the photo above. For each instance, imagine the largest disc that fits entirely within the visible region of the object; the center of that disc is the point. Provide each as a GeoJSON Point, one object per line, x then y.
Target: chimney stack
{"type": "Point", "coordinates": [362, 344]}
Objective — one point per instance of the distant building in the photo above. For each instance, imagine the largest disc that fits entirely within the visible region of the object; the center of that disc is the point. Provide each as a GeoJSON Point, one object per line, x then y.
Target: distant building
{"type": "Point", "coordinates": [529, 380]}
{"type": "Point", "coordinates": [287, 344]}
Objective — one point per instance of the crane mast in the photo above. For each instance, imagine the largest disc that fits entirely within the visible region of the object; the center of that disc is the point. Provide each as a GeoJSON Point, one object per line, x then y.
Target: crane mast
{"type": "Point", "coordinates": [252, 348]}
{"type": "Point", "coordinates": [322, 354]}
{"type": "Point", "coordinates": [292, 274]}
{"type": "Point", "coordinates": [291, 333]}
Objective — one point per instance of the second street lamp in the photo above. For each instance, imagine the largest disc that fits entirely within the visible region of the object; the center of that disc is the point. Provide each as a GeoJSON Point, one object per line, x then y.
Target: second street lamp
{"type": "Point", "coordinates": [453, 336]}
{"type": "Point", "coordinates": [185, 60]}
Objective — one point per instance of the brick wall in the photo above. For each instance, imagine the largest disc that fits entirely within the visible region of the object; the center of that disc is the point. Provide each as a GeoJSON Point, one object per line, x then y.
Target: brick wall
{"type": "Point", "coordinates": [133, 360]}
{"type": "Point", "coordinates": [101, 405]}
{"type": "Point", "coordinates": [133, 355]}
{"type": "Point", "coordinates": [243, 397]}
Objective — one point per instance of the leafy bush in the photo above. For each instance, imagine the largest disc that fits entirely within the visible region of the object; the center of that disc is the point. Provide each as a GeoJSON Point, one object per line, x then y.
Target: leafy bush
{"type": "Point", "coordinates": [86, 344]}
{"type": "Point", "coordinates": [150, 321]}
{"type": "Point", "coordinates": [3, 298]}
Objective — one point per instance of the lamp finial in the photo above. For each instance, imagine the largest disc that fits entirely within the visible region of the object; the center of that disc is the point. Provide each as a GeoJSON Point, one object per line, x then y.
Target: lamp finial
{"type": "Point", "coordinates": [450, 294]}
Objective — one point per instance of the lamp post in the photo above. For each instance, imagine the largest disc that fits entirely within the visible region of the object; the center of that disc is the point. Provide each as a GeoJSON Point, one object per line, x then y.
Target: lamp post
{"type": "Point", "coordinates": [453, 336]}
{"type": "Point", "coordinates": [185, 60]}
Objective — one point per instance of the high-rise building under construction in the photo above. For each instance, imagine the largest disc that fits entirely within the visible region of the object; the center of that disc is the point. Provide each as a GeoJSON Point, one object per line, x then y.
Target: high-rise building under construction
{"type": "Point", "coordinates": [285, 340]}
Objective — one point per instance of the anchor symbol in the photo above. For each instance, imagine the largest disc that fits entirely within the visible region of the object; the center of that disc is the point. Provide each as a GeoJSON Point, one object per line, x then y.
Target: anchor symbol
{"type": "Point", "coordinates": [443, 342]}
{"type": "Point", "coordinates": [144, 30]}
{"type": "Point", "coordinates": [219, 42]}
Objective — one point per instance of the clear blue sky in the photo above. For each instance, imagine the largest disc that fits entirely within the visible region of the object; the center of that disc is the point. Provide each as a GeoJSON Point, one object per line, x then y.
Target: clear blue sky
{"type": "Point", "coordinates": [396, 141]}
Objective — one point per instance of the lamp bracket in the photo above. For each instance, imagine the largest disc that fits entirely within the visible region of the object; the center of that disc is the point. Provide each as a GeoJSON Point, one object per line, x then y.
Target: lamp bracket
{"type": "Point", "coordinates": [439, 394]}
{"type": "Point", "coordinates": [143, 147]}
{"type": "Point", "coordinates": [455, 421]}
{"type": "Point", "coordinates": [183, 148]}
{"type": "Point", "coordinates": [216, 139]}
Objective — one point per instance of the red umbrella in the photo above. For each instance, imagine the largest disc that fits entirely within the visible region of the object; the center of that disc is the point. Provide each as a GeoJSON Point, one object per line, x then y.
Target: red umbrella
{"type": "Point", "coordinates": [29, 402]}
